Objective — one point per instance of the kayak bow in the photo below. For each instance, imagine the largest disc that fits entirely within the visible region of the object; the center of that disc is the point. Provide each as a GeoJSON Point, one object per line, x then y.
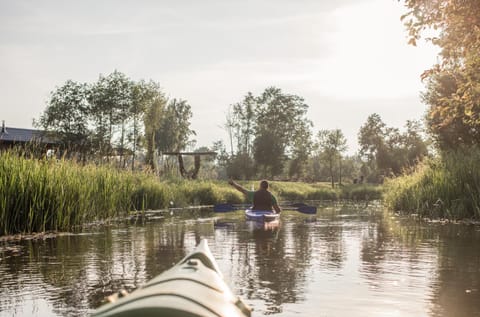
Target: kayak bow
{"type": "Point", "coordinates": [192, 288]}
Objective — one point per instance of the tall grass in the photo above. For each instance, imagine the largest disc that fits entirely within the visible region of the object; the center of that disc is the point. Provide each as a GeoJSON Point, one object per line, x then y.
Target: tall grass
{"type": "Point", "coordinates": [293, 191]}
{"type": "Point", "coordinates": [447, 187]}
{"type": "Point", "coordinates": [302, 191]}
{"type": "Point", "coordinates": [41, 195]}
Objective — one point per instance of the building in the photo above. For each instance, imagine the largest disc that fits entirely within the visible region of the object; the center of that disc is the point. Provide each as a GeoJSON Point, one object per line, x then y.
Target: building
{"type": "Point", "coordinates": [10, 137]}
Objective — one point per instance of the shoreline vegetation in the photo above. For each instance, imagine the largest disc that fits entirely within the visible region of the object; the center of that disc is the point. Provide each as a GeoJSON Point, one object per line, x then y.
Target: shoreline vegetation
{"type": "Point", "coordinates": [43, 195]}
{"type": "Point", "coordinates": [447, 187]}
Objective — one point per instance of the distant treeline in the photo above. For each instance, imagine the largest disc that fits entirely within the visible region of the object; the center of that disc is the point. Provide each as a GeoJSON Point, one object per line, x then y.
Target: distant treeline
{"type": "Point", "coordinates": [271, 137]}
{"type": "Point", "coordinates": [130, 123]}
{"type": "Point", "coordinates": [115, 118]}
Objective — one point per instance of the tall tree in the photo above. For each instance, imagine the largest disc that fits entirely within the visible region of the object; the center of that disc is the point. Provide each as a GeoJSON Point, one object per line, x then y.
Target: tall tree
{"type": "Point", "coordinates": [67, 114]}
{"type": "Point", "coordinates": [152, 121]}
{"type": "Point", "coordinates": [174, 130]}
{"type": "Point", "coordinates": [301, 149]}
{"type": "Point", "coordinates": [280, 119]}
{"type": "Point", "coordinates": [243, 125]}
{"type": "Point", "coordinates": [146, 97]}
{"type": "Point", "coordinates": [111, 100]}
{"type": "Point", "coordinates": [453, 84]}
{"type": "Point", "coordinates": [387, 150]}
{"type": "Point", "coordinates": [332, 143]}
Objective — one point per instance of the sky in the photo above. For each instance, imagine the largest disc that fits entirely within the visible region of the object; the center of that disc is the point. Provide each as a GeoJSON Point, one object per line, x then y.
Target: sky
{"type": "Point", "coordinates": [346, 58]}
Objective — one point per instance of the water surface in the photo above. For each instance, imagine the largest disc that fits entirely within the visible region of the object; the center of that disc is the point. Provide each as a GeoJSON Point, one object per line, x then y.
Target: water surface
{"type": "Point", "coordinates": [345, 261]}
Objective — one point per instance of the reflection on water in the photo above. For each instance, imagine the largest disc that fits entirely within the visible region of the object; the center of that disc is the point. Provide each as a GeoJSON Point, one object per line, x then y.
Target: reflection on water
{"type": "Point", "coordinates": [341, 262]}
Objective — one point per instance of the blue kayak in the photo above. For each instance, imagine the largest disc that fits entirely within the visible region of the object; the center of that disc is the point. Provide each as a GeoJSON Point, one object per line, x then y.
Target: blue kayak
{"type": "Point", "coordinates": [261, 215]}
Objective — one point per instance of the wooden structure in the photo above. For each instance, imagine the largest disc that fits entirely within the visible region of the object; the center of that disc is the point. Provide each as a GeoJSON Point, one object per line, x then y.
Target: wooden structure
{"type": "Point", "coordinates": [196, 162]}
{"type": "Point", "coordinates": [11, 137]}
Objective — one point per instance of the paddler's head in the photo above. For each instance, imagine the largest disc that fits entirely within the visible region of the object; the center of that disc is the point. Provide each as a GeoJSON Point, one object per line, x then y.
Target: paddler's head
{"type": "Point", "coordinates": [264, 184]}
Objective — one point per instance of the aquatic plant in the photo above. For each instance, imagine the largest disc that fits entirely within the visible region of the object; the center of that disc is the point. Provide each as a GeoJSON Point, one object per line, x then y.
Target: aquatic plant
{"type": "Point", "coordinates": [445, 187]}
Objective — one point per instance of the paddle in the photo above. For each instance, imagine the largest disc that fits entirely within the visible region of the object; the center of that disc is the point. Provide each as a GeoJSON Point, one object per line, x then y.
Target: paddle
{"type": "Point", "coordinates": [300, 207]}
{"type": "Point", "coordinates": [230, 207]}
{"type": "Point", "coordinates": [310, 210]}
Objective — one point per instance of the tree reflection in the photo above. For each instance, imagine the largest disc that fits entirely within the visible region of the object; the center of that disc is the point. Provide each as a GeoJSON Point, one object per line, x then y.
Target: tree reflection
{"type": "Point", "coordinates": [268, 267]}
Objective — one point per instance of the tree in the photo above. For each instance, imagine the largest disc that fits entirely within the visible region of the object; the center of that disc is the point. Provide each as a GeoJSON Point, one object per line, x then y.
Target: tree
{"type": "Point", "coordinates": [242, 125]}
{"type": "Point", "coordinates": [331, 144]}
{"type": "Point", "coordinates": [152, 121]}
{"type": "Point", "coordinates": [280, 119]}
{"type": "Point", "coordinates": [371, 137]}
{"type": "Point", "coordinates": [269, 153]}
{"type": "Point", "coordinates": [453, 84]}
{"type": "Point", "coordinates": [302, 146]}
{"type": "Point", "coordinates": [111, 99]}
{"type": "Point", "coordinates": [67, 115]}
{"type": "Point", "coordinates": [174, 131]}
{"type": "Point", "coordinates": [269, 129]}
{"type": "Point", "coordinates": [146, 98]}
{"type": "Point", "coordinates": [387, 150]}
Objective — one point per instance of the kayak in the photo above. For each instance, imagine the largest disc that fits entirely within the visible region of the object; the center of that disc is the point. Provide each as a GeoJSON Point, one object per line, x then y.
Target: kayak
{"type": "Point", "coordinates": [194, 287]}
{"type": "Point", "coordinates": [261, 215]}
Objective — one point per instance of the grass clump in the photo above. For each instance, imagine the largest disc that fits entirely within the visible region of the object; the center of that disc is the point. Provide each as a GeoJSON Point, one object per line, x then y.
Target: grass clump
{"type": "Point", "coordinates": [43, 195]}
{"type": "Point", "coordinates": [362, 192]}
{"type": "Point", "coordinates": [446, 187]}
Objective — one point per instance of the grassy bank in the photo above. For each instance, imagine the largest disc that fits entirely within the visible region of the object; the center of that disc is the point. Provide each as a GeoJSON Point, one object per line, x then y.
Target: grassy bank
{"type": "Point", "coordinates": [40, 195]}
{"type": "Point", "coordinates": [289, 191]}
{"type": "Point", "coordinates": [43, 195]}
{"type": "Point", "coordinates": [448, 187]}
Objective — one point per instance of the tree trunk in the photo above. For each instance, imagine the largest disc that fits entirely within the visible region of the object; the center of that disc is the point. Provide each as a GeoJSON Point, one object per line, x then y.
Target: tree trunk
{"type": "Point", "coordinates": [331, 174]}
{"type": "Point", "coordinates": [340, 170]}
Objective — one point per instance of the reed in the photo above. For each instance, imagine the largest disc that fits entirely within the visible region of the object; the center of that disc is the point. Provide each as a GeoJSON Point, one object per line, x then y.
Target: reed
{"type": "Point", "coordinates": [293, 191]}
{"type": "Point", "coordinates": [42, 195]}
{"type": "Point", "coordinates": [296, 191]}
{"type": "Point", "coordinates": [446, 187]}
{"type": "Point", "coordinates": [362, 192]}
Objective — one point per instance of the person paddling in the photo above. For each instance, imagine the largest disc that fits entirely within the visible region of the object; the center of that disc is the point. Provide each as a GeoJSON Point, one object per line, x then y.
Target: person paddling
{"type": "Point", "coordinates": [262, 198]}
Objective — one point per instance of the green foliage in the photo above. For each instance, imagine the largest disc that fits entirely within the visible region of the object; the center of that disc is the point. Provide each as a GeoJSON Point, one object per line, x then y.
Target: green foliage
{"type": "Point", "coordinates": [453, 84]}
{"type": "Point", "coordinates": [362, 192]}
{"type": "Point", "coordinates": [268, 130]}
{"type": "Point", "coordinates": [331, 145]}
{"type": "Point", "coordinates": [291, 191]}
{"type": "Point", "coordinates": [40, 195]}
{"type": "Point", "coordinates": [389, 152]}
{"type": "Point", "coordinates": [447, 187]}
{"type": "Point", "coordinates": [68, 115]}
{"type": "Point", "coordinates": [173, 131]}
{"type": "Point", "coordinates": [115, 117]}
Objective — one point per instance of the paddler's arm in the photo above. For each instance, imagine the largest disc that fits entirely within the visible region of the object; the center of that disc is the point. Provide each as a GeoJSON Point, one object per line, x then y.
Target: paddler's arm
{"type": "Point", "coordinates": [277, 208]}
{"type": "Point", "coordinates": [238, 187]}
{"type": "Point", "coordinates": [275, 205]}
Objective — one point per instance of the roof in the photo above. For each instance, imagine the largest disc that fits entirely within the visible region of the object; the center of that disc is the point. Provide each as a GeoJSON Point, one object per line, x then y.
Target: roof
{"type": "Point", "coordinates": [24, 135]}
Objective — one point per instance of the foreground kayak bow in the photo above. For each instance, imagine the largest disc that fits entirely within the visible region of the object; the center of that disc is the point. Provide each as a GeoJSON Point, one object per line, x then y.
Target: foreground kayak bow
{"type": "Point", "coordinates": [192, 288]}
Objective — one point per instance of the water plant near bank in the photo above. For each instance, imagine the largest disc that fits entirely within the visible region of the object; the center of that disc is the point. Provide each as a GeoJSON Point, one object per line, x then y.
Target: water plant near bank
{"type": "Point", "coordinates": [38, 195]}
{"type": "Point", "coordinates": [446, 187]}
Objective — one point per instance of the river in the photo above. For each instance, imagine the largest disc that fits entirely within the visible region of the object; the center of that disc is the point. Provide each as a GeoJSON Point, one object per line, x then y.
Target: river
{"type": "Point", "coordinates": [353, 260]}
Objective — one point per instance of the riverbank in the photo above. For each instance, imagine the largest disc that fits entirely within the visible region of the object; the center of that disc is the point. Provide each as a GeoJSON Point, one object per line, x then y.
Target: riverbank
{"type": "Point", "coordinates": [447, 187]}
{"type": "Point", "coordinates": [49, 195]}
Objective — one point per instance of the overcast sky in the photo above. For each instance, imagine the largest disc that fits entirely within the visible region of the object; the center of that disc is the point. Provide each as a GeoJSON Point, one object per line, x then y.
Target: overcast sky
{"type": "Point", "coordinates": [346, 58]}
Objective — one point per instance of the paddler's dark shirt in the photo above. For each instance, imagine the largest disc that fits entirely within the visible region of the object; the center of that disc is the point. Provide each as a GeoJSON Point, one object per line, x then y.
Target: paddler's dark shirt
{"type": "Point", "coordinates": [262, 199]}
